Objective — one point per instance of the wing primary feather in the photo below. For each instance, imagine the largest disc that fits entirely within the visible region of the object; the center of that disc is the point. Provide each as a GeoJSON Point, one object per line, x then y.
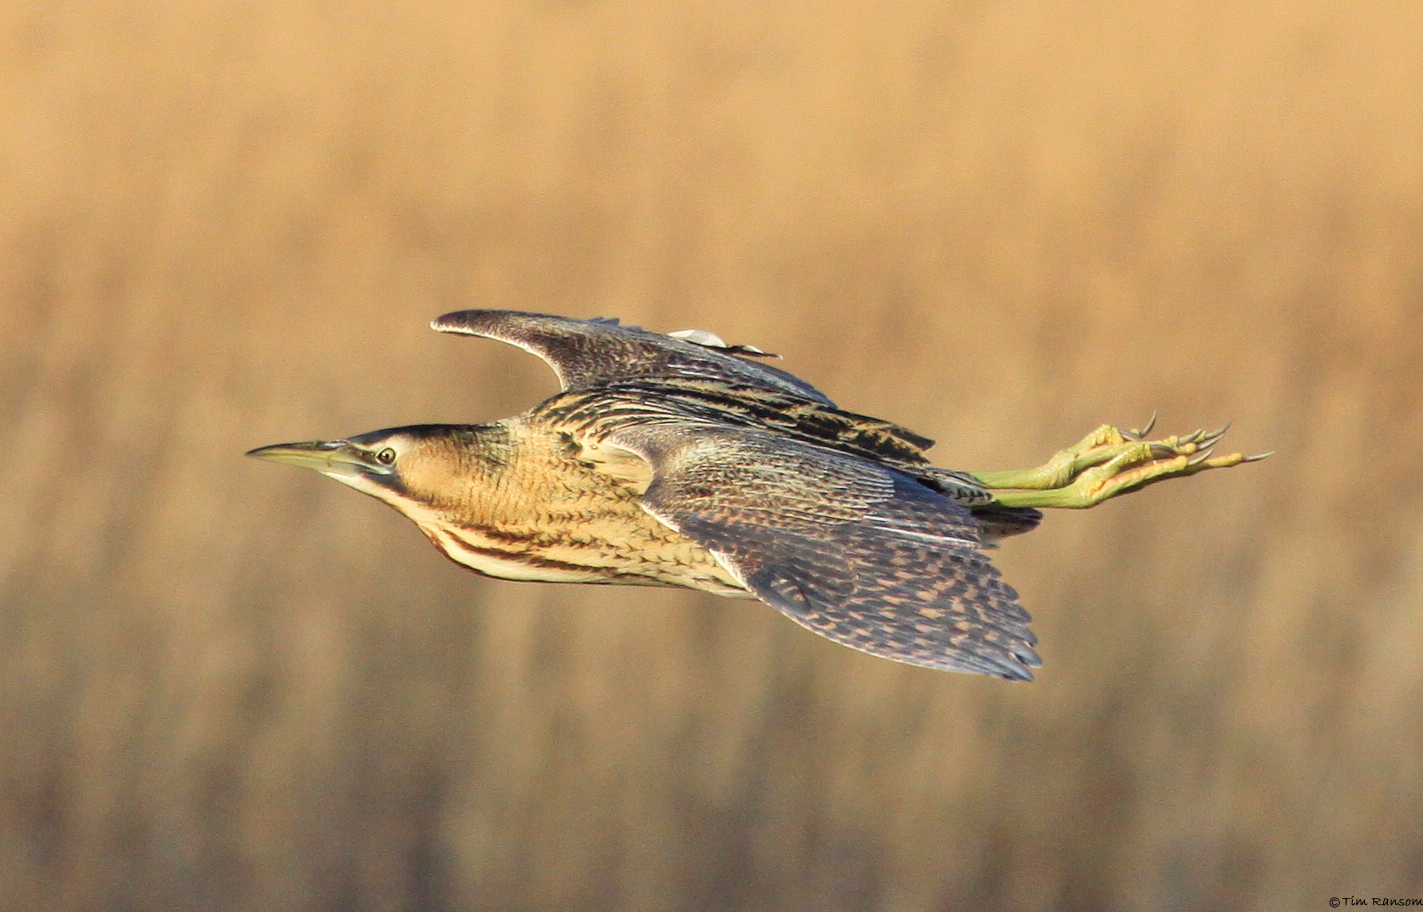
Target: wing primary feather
{"type": "Point", "coordinates": [586, 353]}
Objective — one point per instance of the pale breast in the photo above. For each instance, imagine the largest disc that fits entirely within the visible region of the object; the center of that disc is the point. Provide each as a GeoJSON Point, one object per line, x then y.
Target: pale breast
{"type": "Point", "coordinates": [559, 513]}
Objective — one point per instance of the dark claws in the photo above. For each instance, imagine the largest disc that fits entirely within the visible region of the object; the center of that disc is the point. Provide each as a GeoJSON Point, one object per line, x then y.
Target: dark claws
{"type": "Point", "coordinates": [1136, 434]}
{"type": "Point", "coordinates": [1213, 437]}
{"type": "Point", "coordinates": [1199, 458]}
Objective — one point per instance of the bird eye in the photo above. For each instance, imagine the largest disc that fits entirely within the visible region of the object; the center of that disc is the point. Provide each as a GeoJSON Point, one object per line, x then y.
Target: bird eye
{"type": "Point", "coordinates": [386, 456]}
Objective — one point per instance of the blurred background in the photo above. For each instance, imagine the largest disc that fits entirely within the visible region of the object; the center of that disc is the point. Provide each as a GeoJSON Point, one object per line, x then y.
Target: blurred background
{"type": "Point", "coordinates": [227, 685]}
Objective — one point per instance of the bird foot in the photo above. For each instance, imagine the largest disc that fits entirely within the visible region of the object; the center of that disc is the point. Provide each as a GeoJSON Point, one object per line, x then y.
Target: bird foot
{"type": "Point", "coordinates": [1108, 462]}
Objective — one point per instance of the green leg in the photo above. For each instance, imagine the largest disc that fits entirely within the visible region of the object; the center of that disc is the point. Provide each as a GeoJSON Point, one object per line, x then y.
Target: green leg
{"type": "Point", "coordinates": [1105, 463]}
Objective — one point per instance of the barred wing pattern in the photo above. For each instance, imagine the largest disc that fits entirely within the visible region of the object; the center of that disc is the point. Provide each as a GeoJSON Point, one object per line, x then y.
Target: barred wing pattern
{"type": "Point", "coordinates": [855, 551]}
{"type": "Point", "coordinates": [586, 353]}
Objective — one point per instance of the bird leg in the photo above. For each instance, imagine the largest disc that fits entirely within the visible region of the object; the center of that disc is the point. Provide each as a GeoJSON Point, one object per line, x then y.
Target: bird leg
{"type": "Point", "coordinates": [1108, 462]}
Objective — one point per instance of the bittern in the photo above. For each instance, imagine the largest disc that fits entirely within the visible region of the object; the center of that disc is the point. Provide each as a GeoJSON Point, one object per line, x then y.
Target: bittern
{"type": "Point", "coordinates": [681, 460]}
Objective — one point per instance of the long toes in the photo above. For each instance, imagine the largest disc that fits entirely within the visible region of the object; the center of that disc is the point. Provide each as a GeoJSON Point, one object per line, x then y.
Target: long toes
{"type": "Point", "coordinates": [1225, 462]}
{"type": "Point", "coordinates": [1140, 475]}
{"type": "Point", "coordinates": [1190, 444]}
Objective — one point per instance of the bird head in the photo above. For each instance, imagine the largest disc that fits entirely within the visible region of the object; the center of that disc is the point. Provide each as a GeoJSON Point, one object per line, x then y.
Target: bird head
{"type": "Point", "coordinates": [411, 468]}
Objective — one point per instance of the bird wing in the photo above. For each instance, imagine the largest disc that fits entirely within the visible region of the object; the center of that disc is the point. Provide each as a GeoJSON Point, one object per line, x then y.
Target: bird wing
{"type": "Point", "coordinates": [585, 353]}
{"type": "Point", "coordinates": [856, 551]}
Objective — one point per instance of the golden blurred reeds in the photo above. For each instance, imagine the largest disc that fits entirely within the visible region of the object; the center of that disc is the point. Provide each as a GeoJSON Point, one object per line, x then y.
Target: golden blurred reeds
{"type": "Point", "coordinates": [226, 686]}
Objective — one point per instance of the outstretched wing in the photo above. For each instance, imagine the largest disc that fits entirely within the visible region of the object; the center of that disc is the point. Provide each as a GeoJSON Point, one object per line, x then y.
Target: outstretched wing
{"type": "Point", "coordinates": [857, 552]}
{"type": "Point", "coordinates": [585, 353]}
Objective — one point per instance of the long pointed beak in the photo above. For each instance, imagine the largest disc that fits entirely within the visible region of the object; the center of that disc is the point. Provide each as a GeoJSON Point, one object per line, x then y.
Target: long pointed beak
{"type": "Point", "coordinates": [337, 458]}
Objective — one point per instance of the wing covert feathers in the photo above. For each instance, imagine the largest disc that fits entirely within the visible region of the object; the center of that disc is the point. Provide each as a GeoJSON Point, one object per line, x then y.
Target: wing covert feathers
{"type": "Point", "coordinates": [858, 552]}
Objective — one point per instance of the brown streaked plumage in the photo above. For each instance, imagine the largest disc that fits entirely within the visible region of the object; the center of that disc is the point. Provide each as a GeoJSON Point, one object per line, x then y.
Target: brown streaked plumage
{"type": "Point", "coordinates": [680, 460]}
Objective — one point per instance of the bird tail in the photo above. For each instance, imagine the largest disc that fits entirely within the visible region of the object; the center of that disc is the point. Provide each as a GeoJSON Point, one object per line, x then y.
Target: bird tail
{"type": "Point", "coordinates": [997, 522]}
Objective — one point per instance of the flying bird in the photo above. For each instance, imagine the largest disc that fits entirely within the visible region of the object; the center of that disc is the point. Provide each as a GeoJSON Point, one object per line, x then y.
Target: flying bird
{"type": "Point", "coordinates": [678, 459]}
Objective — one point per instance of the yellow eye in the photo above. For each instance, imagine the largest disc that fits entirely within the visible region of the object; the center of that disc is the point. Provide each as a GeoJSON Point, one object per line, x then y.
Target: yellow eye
{"type": "Point", "coordinates": [386, 456]}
